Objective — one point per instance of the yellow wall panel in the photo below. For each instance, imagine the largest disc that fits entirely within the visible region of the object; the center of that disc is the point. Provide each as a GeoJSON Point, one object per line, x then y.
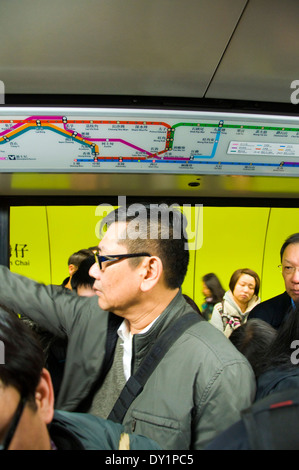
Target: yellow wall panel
{"type": "Point", "coordinates": [71, 228]}
{"type": "Point", "coordinates": [29, 243]}
{"type": "Point", "coordinates": [233, 238]}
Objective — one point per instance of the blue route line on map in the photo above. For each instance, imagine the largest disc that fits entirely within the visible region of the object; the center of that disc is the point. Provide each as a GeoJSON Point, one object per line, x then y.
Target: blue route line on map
{"type": "Point", "coordinates": [111, 159]}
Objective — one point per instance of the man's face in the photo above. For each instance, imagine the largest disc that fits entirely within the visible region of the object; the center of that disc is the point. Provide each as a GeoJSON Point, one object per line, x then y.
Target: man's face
{"type": "Point", "coordinates": [117, 283]}
{"type": "Point", "coordinates": [30, 433]}
{"type": "Point", "coordinates": [290, 270]}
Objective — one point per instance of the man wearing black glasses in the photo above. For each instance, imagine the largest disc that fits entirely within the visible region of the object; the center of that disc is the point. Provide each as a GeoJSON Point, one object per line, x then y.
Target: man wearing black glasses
{"type": "Point", "coordinates": [194, 391]}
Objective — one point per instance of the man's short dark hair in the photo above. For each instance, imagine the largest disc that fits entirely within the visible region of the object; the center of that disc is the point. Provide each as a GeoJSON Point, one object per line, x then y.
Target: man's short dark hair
{"type": "Point", "coordinates": [81, 277]}
{"type": "Point", "coordinates": [161, 232]}
{"type": "Point", "coordinates": [23, 355]}
{"type": "Point", "coordinates": [77, 257]}
{"type": "Point", "coordinates": [253, 340]}
{"type": "Point", "coordinates": [266, 348]}
{"type": "Point", "coordinates": [291, 239]}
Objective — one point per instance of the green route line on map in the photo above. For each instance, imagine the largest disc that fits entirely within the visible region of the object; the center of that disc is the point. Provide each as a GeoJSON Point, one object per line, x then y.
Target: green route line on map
{"type": "Point", "coordinates": [30, 123]}
{"type": "Point", "coordinates": [234, 126]}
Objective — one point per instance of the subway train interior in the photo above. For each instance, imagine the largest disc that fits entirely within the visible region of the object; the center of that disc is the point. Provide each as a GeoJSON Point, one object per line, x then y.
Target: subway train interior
{"type": "Point", "coordinates": [193, 103]}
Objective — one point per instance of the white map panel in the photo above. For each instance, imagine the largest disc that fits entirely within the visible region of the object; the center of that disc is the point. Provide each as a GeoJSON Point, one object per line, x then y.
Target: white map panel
{"type": "Point", "coordinates": [147, 141]}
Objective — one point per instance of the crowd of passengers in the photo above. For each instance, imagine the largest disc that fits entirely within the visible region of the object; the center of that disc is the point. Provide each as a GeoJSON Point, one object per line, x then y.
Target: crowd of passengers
{"type": "Point", "coordinates": [72, 350]}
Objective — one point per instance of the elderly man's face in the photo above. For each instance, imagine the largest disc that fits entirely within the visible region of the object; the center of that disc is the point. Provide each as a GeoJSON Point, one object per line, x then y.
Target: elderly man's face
{"type": "Point", "coordinates": [117, 283]}
{"type": "Point", "coordinates": [290, 270]}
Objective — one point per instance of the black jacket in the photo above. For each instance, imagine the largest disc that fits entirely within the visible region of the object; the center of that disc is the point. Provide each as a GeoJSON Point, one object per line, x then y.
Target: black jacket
{"type": "Point", "coordinates": [271, 424]}
{"type": "Point", "coordinates": [276, 380]}
{"type": "Point", "coordinates": [273, 310]}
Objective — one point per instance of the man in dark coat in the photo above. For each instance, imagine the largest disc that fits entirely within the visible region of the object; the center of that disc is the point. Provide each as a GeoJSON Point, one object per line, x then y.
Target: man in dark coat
{"type": "Point", "coordinates": [276, 309]}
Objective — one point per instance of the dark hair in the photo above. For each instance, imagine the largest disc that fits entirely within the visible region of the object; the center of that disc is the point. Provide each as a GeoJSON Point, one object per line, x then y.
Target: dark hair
{"type": "Point", "coordinates": [160, 232]}
{"type": "Point", "coordinates": [77, 257]}
{"type": "Point", "coordinates": [192, 303]}
{"type": "Point", "coordinates": [214, 285]}
{"type": "Point", "coordinates": [253, 340]}
{"type": "Point", "coordinates": [23, 355]}
{"type": "Point", "coordinates": [291, 239]}
{"type": "Point", "coordinates": [81, 277]}
{"type": "Point", "coordinates": [238, 273]}
{"type": "Point", "coordinates": [279, 354]}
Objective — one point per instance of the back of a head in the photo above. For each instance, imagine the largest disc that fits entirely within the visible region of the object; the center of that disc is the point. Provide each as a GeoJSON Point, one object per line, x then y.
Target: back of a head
{"type": "Point", "coordinates": [23, 355]}
{"type": "Point", "coordinates": [159, 230]}
{"type": "Point", "coordinates": [79, 256]}
{"type": "Point", "coordinates": [265, 347]}
{"type": "Point", "coordinates": [253, 339]}
{"type": "Point", "coordinates": [280, 352]}
{"type": "Point", "coordinates": [81, 277]}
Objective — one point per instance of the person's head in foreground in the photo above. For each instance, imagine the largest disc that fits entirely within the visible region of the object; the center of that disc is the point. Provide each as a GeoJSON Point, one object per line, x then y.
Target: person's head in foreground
{"type": "Point", "coordinates": [26, 392]}
{"type": "Point", "coordinates": [27, 417]}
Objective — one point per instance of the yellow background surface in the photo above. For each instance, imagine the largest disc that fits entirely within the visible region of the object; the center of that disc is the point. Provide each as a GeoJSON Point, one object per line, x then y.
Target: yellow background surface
{"type": "Point", "coordinates": [42, 238]}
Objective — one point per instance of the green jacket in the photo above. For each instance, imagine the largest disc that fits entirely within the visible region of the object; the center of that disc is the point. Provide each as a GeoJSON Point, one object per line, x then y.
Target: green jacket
{"type": "Point", "coordinates": [82, 431]}
{"type": "Point", "coordinates": [197, 390]}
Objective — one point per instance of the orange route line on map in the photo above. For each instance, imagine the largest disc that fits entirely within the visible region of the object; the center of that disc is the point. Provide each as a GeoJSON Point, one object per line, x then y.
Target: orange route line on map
{"type": "Point", "coordinates": [30, 125]}
{"type": "Point", "coordinates": [89, 121]}
{"type": "Point", "coordinates": [37, 121]}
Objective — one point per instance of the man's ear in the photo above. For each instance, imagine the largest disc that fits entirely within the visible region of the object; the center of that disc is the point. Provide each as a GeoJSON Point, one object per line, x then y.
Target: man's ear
{"type": "Point", "coordinates": [44, 397]}
{"type": "Point", "coordinates": [153, 269]}
{"type": "Point", "coordinates": [72, 269]}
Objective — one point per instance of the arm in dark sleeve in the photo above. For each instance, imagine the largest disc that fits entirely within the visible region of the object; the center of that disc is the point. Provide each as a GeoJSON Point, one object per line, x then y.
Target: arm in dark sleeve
{"type": "Point", "coordinates": [51, 307]}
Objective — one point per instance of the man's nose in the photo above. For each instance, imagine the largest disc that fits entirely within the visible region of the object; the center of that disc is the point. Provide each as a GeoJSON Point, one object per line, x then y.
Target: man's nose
{"type": "Point", "coordinates": [295, 276]}
{"type": "Point", "coordinates": [94, 271]}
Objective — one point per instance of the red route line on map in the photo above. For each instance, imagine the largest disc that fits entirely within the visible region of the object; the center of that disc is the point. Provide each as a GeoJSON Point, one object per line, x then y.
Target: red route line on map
{"type": "Point", "coordinates": [31, 122]}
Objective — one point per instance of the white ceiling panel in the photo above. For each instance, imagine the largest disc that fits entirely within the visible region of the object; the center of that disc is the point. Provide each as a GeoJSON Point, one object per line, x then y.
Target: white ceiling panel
{"type": "Point", "coordinates": [114, 47]}
{"type": "Point", "coordinates": [261, 60]}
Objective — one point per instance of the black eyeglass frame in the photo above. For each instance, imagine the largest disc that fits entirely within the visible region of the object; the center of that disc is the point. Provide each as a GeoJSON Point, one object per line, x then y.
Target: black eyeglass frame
{"type": "Point", "coordinates": [100, 259]}
{"type": "Point", "coordinates": [14, 424]}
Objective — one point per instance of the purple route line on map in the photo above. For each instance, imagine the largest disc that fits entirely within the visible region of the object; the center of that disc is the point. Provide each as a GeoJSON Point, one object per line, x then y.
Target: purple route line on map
{"type": "Point", "coordinates": [124, 142]}
{"type": "Point", "coordinates": [35, 118]}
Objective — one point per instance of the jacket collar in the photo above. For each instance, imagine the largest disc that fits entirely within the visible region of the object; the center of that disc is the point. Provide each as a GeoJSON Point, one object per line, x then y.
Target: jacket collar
{"type": "Point", "coordinates": [143, 342]}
